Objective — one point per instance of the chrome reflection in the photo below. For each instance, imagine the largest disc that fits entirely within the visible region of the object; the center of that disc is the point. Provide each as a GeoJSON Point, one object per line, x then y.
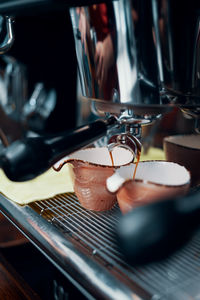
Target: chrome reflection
{"type": "Point", "coordinates": [139, 52]}
{"type": "Point", "coordinates": [19, 114]}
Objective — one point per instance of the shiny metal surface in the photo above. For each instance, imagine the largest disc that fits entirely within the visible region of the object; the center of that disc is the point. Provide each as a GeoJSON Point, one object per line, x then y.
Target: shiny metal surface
{"type": "Point", "coordinates": [82, 245]}
{"type": "Point", "coordinates": [19, 114]}
{"type": "Point", "coordinates": [33, 89]}
{"type": "Point", "coordinates": [8, 41]}
{"type": "Point", "coordinates": [139, 55]}
{"type": "Point", "coordinates": [85, 273]}
{"type": "Point", "coordinates": [13, 95]}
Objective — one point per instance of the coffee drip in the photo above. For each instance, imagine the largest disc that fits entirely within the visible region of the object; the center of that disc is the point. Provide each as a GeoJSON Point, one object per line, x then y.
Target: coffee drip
{"type": "Point", "coordinates": [127, 141]}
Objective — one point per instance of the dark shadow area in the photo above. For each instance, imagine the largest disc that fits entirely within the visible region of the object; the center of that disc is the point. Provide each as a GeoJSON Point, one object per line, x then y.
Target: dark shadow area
{"type": "Point", "coordinates": [45, 45]}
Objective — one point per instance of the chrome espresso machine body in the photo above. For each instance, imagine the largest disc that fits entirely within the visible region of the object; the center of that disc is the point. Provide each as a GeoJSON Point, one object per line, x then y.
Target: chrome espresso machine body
{"type": "Point", "coordinates": [138, 56]}
{"type": "Point", "coordinates": [136, 61]}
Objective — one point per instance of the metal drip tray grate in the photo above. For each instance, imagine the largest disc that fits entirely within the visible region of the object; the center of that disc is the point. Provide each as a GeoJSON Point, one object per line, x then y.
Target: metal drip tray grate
{"type": "Point", "coordinates": [94, 233]}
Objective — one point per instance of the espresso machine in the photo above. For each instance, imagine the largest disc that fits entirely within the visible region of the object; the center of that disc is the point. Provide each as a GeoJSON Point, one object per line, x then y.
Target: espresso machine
{"type": "Point", "coordinates": [130, 73]}
{"type": "Point", "coordinates": [135, 61]}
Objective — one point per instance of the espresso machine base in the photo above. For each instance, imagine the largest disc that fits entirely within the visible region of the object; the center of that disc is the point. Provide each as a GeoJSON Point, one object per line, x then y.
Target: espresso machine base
{"type": "Point", "coordinates": [81, 245]}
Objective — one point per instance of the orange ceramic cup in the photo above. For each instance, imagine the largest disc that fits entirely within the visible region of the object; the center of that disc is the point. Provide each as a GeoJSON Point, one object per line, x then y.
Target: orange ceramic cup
{"type": "Point", "coordinates": [92, 166]}
{"type": "Point", "coordinates": [154, 181]}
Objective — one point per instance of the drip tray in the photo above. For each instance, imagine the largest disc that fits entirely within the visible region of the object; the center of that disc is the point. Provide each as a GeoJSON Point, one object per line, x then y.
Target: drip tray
{"type": "Point", "coordinates": [93, 234]}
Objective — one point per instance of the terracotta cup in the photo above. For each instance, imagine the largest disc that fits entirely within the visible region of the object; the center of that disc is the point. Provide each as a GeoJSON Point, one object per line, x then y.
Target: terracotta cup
{"type": "Point", "coordinates": [154, 181]}
{"type": "Point", "coordinates": [92, 166]}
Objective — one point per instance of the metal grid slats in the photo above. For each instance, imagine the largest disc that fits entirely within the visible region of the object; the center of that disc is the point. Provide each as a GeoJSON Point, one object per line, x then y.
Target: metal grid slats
{"type": "Point", "coordinates": [96, 232]}
{"type": "Point", "coordinates": [63, 219]}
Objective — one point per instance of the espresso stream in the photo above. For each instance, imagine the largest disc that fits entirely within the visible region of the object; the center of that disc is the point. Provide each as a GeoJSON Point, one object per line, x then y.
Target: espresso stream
{"type": "Point", "coordinates": [137, 157]}
{"type": "Point", "coordinates": [137, 162]}
{"type": "Point", "coordinates": [111, 157]}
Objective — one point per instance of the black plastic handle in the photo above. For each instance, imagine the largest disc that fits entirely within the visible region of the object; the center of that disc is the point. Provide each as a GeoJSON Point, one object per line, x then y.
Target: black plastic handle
{"type": "Point", "coordinates": [153, 232]}
{"type": "Point", "coordinates": [28, 158]}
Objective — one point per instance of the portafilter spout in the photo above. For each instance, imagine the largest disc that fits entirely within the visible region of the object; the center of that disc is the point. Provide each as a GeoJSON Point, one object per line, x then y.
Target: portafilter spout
{"type": "Point", "coordinates": [129, 139]}
{"type": "Point", "coordinates": [30, 157]}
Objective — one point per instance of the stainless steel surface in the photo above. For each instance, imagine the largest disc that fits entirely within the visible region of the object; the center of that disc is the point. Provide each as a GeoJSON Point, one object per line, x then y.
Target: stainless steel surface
{"type": "Point", "coordinates": [8, 41]}
{"type": "Point", "coordinates": [84, 272]}
{"type": "Point", "coordinates": [13, 95]}
{"type": "Point", "coordinates": [81, 244]}
{"type": "Point", "coordinates": [34, 67]}
{"type": "Point", "coordinates": [138, 55]}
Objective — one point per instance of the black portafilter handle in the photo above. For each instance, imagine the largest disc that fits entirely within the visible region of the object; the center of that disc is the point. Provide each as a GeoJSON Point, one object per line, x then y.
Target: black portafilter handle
{"type": "Point", "coordinates": [153, 232]}
{"type": "Point", "coordinates": [25, 159]}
